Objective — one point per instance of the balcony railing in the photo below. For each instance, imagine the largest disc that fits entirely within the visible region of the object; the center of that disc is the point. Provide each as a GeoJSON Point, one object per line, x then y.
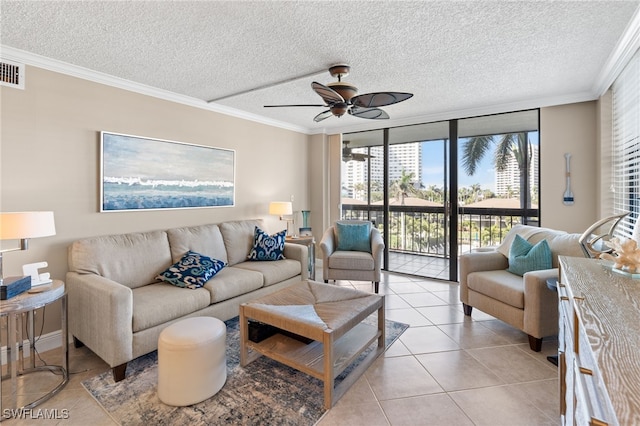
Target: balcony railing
{"type": "Point", "coordinates": [425, 229]}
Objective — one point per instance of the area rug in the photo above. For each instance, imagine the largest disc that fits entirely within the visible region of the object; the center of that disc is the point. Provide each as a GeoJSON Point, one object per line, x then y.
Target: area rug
{"type": "Point", "coordinates": [265, 392]}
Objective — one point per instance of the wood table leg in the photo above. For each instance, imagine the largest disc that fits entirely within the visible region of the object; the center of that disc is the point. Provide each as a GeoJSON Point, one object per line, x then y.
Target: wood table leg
{"type": "Point", "coordinates": [328, 369]}
{"type": "Point", "coordinates": [244, 332]}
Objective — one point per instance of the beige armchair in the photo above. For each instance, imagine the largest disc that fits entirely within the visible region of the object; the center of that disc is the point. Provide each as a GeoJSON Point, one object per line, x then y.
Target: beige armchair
{"type": "Point", "coordinates": [523, 302]}
{"type": "Point", "coordinates": [351, 264]}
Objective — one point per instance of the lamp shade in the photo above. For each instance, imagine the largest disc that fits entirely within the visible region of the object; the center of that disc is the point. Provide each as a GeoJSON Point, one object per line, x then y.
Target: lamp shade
{"type": "Point", "coordinates": [280, 208]}
{"type": "Point", "coordinates": [22, 225]}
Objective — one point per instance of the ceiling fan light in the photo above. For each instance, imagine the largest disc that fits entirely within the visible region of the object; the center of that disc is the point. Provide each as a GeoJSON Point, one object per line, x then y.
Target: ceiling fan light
{"type": "Point", "coordinates": [339, 109]}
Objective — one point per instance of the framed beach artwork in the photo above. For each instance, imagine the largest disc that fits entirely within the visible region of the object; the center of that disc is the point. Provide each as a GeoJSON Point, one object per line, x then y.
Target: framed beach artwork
{"type": "Point", "coordinates": [139, 173]}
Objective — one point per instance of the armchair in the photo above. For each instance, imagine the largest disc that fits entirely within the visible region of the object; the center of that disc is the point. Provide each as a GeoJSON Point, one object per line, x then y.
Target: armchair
{"type": "Point", "coordinates": [342, 261]}
{"type": "Point", "coordinates": [525, 302]}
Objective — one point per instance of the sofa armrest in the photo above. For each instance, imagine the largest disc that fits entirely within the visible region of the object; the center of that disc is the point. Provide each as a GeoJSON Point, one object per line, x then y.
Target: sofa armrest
{"type": "Point", "coordinates": [540, 304]}
{"type": "Point", "coordinates": [476, 262]}
{"type": "Point", "coordinates": [301, 254]}
{"type": "Point", "coordinates": [101, 316]}
{"type": "Point", "coordinates": [327, 247]}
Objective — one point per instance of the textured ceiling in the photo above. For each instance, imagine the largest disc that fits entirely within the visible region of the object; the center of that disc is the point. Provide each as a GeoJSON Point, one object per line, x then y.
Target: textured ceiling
{"type": "Point", "coordinates": [458, 58]}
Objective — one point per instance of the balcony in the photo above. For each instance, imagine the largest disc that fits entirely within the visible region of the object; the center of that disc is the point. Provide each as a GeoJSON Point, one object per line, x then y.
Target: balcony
{"type": "Point", "coordinates": [419, 235]}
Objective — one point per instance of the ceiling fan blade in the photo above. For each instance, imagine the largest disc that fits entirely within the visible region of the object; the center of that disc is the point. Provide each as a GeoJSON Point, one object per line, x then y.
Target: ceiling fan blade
{"type": "Point", "coordinates": [329, 95]}
{"type": "Point", "coordinates": [370, 113]}
{"type": "Point", "coordinates": [322, 115]}
{"type": "Point", "coordinates": [296, 105]}
{"type": "Point", "coordinates": [360, 157]}
{"type": "Point", "coordinates": [372, 100]}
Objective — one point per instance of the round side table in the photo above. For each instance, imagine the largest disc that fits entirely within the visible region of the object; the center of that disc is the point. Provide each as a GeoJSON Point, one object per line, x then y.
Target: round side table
{"type": "Point", "coordinates": [22, 307]}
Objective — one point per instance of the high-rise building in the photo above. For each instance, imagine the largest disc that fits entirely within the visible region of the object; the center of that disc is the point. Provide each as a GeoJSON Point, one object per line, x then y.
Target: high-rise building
{"type": "Point", "coordinates": [402, 157]}
{"type": "Point", "coordinates": [508, 180]}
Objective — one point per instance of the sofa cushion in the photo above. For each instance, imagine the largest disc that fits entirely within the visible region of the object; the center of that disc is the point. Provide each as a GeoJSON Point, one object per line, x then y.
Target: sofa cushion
{"type": "Point", "coordinates": [533, 234]}
{"type": "Point", "coordinates": [158, 303]}
{"type": "Point", "coordinates": [525, 257]}
{"type": "Point", "coordinates": [132, 260]}
{"type": "Point", "coordinates": [205, 239]}
{"type": "Point", "coordinates": [232, 282]}
{"type": "Point", "coordinates": [357, 260]}
{"type": "Point", "coordinates": [238, 238]}
{"type": "Point", "coordinates": [565, 245]}
{"type": "Point", "coordinates": [192, 271]}
{"type": "Point", "coordinates": [500, 285]}
{"type": "Point", "coordinates": [353, 236]}
{"type": "Point", "coordinates": [274, 272]}
{"type": "Point", "coordinates": [267, 247]}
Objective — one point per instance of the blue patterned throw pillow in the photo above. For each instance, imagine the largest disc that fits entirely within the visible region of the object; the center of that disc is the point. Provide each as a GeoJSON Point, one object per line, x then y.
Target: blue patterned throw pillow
{"type": "Point", "coordinates": [267, 247]}
{"type": "Point", "coordinates": [192, 271]}
{"type": "Point", "coordinates": [525, 257]}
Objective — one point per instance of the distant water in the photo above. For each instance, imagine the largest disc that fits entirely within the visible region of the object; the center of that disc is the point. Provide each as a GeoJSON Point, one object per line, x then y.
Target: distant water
{"type": "Point", "coordinates": [118, 196]}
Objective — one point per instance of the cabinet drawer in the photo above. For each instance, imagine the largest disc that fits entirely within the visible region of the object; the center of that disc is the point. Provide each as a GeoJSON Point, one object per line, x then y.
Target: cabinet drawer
{"type": "Point", "coordinates": [591, 404]}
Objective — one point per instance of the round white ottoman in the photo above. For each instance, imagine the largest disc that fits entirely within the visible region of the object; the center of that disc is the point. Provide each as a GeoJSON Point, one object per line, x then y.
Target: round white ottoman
{"type": "Point", "coordinates": [191, 360]}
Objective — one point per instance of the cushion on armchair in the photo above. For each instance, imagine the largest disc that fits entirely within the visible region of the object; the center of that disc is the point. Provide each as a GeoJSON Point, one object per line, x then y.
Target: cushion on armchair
{"type": "Point", "coordinates": [525, 257]}
{"type": "Point", "coordinates": [353, 236]}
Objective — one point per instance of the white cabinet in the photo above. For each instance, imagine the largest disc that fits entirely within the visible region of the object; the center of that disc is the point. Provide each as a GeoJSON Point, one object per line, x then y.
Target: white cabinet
{"type": "Point", "coordinates": [599, 344]}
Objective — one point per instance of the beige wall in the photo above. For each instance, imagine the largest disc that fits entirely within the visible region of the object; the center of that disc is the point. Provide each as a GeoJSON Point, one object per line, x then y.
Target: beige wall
{"type": "Point", "coordinates": [569, 129]}
{"type": "Point", "coordinates": [49, 160]}
{"type": "Point", "coordinates": [49, 150]}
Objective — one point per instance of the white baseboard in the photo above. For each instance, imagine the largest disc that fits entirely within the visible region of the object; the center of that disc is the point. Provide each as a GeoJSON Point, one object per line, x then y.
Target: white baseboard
{"type": "Point", "coordinates": [44, 343]}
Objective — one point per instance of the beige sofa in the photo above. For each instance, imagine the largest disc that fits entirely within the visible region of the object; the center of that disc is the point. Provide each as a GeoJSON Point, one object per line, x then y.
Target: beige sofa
{"type": "Point", "coordinates": [117, 308]}
{"type": "Point", "coordinates": [523, 302]}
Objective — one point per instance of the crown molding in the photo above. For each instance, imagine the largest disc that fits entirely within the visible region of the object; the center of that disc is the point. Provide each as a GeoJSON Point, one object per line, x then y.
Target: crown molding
{"type": "Point", "coordinates": [627, 46]}
{"type": "Point", "coordinates": [32, 59]}
{"type": "Point", "coordinates": [466, 113]}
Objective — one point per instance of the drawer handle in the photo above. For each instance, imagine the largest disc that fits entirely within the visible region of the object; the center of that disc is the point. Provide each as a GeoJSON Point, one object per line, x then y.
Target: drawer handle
{"type": "Point", "coordinates": [584, 370]}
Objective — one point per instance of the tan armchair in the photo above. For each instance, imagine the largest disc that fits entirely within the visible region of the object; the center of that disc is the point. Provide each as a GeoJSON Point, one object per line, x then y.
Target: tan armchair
{"type": "Point", "coordinates": [523, 302]}
{"type": "Point", "coordinates": [350, 264]}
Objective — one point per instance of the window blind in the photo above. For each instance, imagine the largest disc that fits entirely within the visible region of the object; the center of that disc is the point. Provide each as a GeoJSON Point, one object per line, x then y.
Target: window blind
{"type": "Point", "coordinates": [626, 147]}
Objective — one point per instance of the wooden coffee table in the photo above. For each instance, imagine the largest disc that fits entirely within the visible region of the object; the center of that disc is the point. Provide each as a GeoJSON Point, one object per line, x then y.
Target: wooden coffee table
{"type": "Point", "coordinates": [330, 315]}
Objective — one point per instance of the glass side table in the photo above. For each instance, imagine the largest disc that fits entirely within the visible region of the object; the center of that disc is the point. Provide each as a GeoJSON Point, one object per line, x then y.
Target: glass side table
{"type": "Point", "coordinates": [310, 242]}
{"type": "Point", "coordinates": [19, 310]}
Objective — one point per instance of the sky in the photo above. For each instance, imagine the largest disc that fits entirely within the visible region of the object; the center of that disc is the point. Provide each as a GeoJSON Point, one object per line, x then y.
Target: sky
{"type": "Point", "coordinates": [433, 167]}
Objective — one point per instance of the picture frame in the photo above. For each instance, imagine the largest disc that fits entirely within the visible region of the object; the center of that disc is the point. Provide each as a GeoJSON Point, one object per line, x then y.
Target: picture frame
{"type": "Point", "coordinates": [141, 173]}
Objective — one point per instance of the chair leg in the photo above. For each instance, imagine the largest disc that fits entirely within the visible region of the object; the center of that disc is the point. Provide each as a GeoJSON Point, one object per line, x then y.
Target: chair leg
{"type": "Point", "coordinates": [535, 343]}
{"type": "Point", "coordinates": [376, 284]}
{"type": "Point", "coordinates": [467, 309]}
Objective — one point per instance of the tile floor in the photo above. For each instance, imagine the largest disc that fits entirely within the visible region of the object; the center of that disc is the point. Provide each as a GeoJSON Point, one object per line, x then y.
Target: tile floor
{"type": "Point", "coordinates": [446, 369]}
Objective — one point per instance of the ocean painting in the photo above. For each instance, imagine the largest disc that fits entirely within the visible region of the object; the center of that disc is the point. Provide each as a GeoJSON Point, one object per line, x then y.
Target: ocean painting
{"type": "Point", "coordinates": [140, 173]}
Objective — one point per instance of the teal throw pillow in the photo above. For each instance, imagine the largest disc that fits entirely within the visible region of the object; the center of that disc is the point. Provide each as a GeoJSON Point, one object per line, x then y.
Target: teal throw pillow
{"type": "Point", "coordinates": [353, 236]}
{"type": "Point", "coordinates": [192, 271]}
{"type": "Point", "coordinates": [525, 257]}
{"type": "Point", "coordinates": [267, 247]}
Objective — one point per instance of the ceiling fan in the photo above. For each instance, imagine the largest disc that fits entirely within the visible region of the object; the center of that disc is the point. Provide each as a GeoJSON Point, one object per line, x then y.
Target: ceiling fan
{"type": "Point", "coordinates": [342, 97]}
{"type": "Point", "coordinates": [348, 155]}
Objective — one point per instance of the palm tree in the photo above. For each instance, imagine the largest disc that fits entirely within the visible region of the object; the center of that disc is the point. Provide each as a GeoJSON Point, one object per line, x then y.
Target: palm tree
{"type": "Point", "coordinates": [404, 186]}
{"type": "Point", "coordinates": [511, 145]}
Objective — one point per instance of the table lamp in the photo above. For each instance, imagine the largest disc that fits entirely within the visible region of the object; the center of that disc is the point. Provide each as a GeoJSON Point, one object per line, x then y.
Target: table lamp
{"type": "Point", "coordinates": [282, 208]}
{"type": "Point", "coordinates": [23, 226]}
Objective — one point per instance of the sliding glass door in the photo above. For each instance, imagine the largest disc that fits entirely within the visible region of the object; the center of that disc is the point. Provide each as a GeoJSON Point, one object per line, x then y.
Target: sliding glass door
{"type": "Point", "coordinates": [437, 190]}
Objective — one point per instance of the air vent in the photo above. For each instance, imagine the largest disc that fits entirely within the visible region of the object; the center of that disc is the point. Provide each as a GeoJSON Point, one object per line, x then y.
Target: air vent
{"type": "Point", "coordinates": [11, 74]}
